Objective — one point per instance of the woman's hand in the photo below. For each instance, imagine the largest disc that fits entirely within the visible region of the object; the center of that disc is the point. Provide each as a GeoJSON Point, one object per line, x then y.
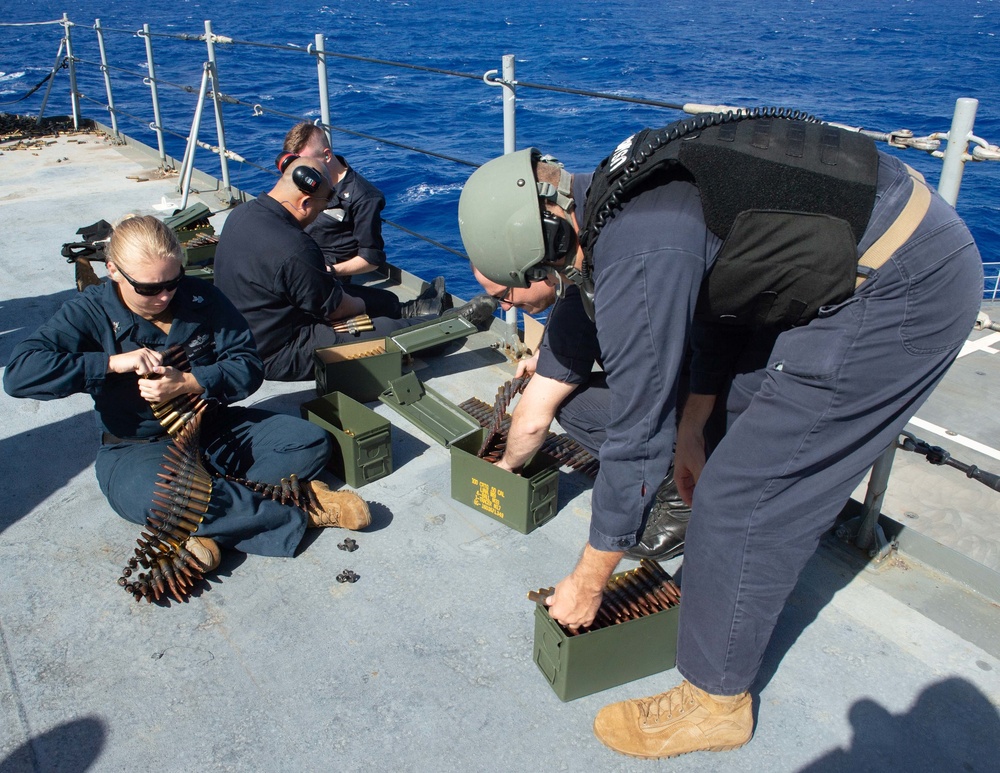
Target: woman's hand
{"type": "Point", "coordinates": [140, 362]}
{"type": "Point", "coordinates": [165, 383]}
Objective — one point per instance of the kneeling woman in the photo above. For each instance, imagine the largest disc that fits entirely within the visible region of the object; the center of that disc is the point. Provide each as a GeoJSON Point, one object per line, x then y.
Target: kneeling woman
{"type": "Point", "coordinates": [110, 340]}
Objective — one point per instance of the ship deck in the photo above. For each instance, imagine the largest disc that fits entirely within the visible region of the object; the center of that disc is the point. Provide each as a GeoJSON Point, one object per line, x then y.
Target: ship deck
{"type": "Point", "coordinates": [426, 662]}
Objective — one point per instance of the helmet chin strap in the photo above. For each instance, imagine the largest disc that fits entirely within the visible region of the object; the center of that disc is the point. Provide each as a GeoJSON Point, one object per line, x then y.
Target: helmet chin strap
{"type": "Point", "coordinates": [562, 194]}
{"type": "Point", "coordinates": [584, 283]}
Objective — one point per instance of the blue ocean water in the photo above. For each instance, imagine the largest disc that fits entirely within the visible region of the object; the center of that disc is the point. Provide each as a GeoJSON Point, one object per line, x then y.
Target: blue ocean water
{"type": "Point", "coordinates": [884, 66]}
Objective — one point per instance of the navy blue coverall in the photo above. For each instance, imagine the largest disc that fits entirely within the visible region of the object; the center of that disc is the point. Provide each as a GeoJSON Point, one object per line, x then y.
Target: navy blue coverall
{"type": "Point", "coordinates": [69, 354]}
{"type": "Point", "coordinates": [806, 428]}
{"type": "Point", "coordinates": [274, 273]}
{"type": "Point", "coordinates": [351, 225]}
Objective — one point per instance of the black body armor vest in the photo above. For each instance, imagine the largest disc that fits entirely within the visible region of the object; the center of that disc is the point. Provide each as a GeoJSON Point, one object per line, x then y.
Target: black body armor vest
{"type": "Point", "coordinates": [789, 196]}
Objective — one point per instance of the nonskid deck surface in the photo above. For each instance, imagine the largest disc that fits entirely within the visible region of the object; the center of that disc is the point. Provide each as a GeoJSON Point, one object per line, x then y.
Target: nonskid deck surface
{"type": "Point", "coordinates": [425, 663]}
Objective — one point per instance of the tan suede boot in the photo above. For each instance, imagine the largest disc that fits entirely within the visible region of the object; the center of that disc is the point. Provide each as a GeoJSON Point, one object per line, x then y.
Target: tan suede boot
{"type": "Point", "coordinates": [206, 551]}
{"type": "Point", "coordinates": [337, 508]}
{"type": "Point", "coordinates": [684, 719]}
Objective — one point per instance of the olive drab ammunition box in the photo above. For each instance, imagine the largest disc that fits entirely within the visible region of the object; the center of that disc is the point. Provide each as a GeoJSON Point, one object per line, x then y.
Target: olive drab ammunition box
{"type": "Point", "coordinates": [522, 502]}
{"type": "Point", "coordinates": [434, 332]}
{"type": "Point", "coordinates": [196, 235]}
{"type": "Point", "coordinates": [428, 410]}
{"type": "Point", "coordinates": [362, 450]}
{"type": "Point", "coordinates": [575, 666]}
{"type": "Point", "coordinates": [364, 369]}
{"type": "Point", "coordinates": [360, 370]}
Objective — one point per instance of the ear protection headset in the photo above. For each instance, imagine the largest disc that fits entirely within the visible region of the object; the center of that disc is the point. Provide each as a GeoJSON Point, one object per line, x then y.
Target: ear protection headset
{"type": "Point", "coordinates": [284, 159]}
{"type": "Point", "coordinates": [558, 237]}
{"type": "Point", "coordinates": [305, 178]}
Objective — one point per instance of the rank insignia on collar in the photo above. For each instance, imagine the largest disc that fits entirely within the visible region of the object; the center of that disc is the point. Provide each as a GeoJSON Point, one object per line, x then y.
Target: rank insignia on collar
{"type": "Point", "coordinates": [197, 299]}
{"type": "Point", "coordinates": [114, 327]}
{"type": "Point", "coordinates": [345, 195]}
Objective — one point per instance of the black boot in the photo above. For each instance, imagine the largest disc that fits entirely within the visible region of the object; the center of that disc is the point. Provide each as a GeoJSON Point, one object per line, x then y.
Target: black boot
{"type": "Point", "coordinates": [666, 526]}
{"type": "Point", "coordinates": [478, 311]}
{"type": "Point", "coordinates": [421, 307]}
{"type": "Point", "coordinates": [431, 302]}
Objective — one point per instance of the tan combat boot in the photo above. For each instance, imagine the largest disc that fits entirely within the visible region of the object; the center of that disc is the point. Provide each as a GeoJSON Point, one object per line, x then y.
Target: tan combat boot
{"type": "Point", "coordinates": [684, 719]}
{"type": "Point", "coordinates": [206, 551]}
{"type": "Point", "coordinates": [337, 508]}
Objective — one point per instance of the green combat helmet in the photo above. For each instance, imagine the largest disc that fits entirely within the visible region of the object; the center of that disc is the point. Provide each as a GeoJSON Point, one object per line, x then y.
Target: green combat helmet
{"type": "Point", "coordinates": [500, 219]}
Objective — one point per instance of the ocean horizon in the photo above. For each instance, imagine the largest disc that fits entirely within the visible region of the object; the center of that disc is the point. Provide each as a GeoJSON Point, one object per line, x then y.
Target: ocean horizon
{"type": "Point", "coordinates": [900, 65]}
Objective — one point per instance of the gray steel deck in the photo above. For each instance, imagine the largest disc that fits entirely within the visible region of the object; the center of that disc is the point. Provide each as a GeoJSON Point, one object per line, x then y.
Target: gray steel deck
{"type": "Point", "coordinates": [425, 663]}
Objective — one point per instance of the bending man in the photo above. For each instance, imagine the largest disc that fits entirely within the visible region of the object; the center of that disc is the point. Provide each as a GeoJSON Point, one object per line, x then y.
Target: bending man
{"type": "Point", "coordinates": [759, 223]}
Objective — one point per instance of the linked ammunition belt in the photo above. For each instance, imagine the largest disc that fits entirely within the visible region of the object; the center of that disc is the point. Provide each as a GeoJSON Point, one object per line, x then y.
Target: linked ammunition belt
{"type": "Point", "coordinates": [201, 240]}
{"type": "Point", "coordinates": [181, 500]}
{"type": "Point", "coordinates": [497, 421]}
{"type": "Point", "coordinates": [642, 591]}
{"type": "Point", "coordinates": [362, 323]}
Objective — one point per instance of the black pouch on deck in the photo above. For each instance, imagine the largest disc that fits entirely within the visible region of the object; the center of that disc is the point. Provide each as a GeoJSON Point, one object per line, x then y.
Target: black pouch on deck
{"type": "Point", "coordinates": [95, 239]}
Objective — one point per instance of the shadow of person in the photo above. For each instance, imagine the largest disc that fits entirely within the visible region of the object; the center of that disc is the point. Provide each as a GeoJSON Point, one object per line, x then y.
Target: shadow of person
{"type": "Point", "coordinates": [20, 317]}
{"type": "Point", "coordinates": [67, 748]}
{"type": "Point", "coordinates": [952, 726]}
{"type": "Point", "coordinates": [40, 461]}
{"type": "Point", "coordinates": [290, 402]}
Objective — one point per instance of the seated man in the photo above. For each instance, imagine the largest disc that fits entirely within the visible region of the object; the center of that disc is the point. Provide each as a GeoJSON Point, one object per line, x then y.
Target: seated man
{"type": "Point", "coordinates": [109, 341]}
{"type": "Point", "coordinates": [274, 273]}
{"type": "Point", "coordinates": [349, 230]}
{"type": "Point", "coordinates": [584, 415]}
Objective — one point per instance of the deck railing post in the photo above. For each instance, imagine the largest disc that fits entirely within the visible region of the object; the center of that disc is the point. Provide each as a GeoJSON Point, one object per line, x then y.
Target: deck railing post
{"type": "Point", "coordinates": [52, 79]}
{"type": "Point", "coordinates": [954, 154]}
{"type": "Point", "coordinates": [220, 128]}
{"type": "Point", "coordinates": [187, 165]}
{"type": "Point", "coordinates": [74, 98]}
{"type": "Point", "coordinates": [509, 105]}
{"type": "Point", "coordinates": [509, 146]}
{"type": "Point", "coordinates": [869, 536]}
{"type": "Point", "coordinates": [107, 75]}
{"type": "Point", "coordinates": [157, 125]}
{"type": "Point", "coordinates": [324, 84]}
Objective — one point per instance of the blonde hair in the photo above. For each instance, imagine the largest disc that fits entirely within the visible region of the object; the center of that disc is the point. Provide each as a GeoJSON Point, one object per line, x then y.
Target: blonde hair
{"type": "Point", "coordinates": [139, 240]}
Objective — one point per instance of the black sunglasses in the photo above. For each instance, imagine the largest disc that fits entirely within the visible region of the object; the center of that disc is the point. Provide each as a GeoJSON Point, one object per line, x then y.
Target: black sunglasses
{"type": "Point", "coordinates": [152, 288]}
{"type": "Point", "coordinates": [507, 296]}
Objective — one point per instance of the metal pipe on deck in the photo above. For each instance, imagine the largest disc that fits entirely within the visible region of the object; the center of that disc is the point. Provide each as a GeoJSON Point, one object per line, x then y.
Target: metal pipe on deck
{"type": "Point", "coordinates": [509, 146]}
{"type": "Point", "coordinates": [187, 166]}
{"type": "Point", "coordinates": [220, 128]}
{"type": "Point", "coordinates": [52, 78]}
{"type": "Point", "coordinates": [955, 153]}
{"type": "Point", "coordinates": [157, 125]}
{"type": "Point", "coordinates": [107, 76]}
{"type": "Point", "coordinates": [74, 97]}
{"type": "Point", "coordinates": [324, 85]}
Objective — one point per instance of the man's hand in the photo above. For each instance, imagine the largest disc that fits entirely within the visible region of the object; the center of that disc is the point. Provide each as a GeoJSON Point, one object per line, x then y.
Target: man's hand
{"type": "Point", "coordinates": [689, 455]}
{"type": "Point", "coordinates": [577, 597]}
{"type": "Point", "coordinates": [527, 367]}
{"type": "Point", "coordinates": [531, 419]}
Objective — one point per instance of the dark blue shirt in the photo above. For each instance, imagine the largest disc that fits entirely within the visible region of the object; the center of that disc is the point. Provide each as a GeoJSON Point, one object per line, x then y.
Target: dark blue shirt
{"type": "Point", "coordinates": [648, 267]}
{"type": "Point", "coordinates": [69, 354]}
{"type": "Point", "coordinates": [352, 222]}
{"type": "Point", "coordinates": [274, 273]}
